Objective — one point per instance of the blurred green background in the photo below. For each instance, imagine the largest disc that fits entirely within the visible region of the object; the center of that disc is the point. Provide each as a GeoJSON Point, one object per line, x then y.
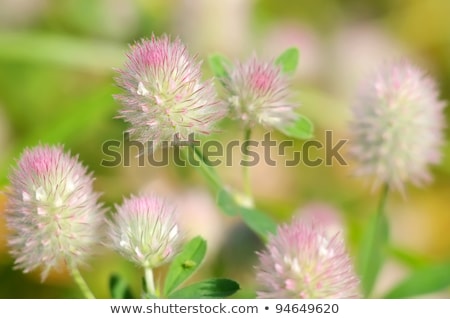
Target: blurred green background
{"type": "Point", "coordinates": [56, 86]}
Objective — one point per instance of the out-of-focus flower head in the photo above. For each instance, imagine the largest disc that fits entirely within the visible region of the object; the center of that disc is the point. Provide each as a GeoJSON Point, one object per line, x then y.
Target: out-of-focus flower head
{"type": "Point", "coordinates": [257, 92]}
{"type": "Point", "coordinates": [302, 261]}
{"type": "Point", "coordinates": [52, 210]}
{"type": "Point", "coordinates": [145, 231]}
{"type": "Point", "coordinates": [397, 126]}
{"type": "Point", "coordinates": [328, 216]}
{"type": "Point", "coordinates": [164, 93]}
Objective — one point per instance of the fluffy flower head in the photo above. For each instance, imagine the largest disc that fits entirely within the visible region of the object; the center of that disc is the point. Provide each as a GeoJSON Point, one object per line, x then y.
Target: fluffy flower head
{"type": "Point", "coordinates": [164, 94]}
{"type": "Point", "coordinates": [257, 93]}
{"type": "Point", "coordinates": [52, 210]}
{"type": "Point", "coordinates": [397, 126]}
{"type": "Point", "coordinates": [302, 261]}
{"type": "Point", "coordinates": [329, 218]}
{"type": "Point", "coordinates": [144, 230]}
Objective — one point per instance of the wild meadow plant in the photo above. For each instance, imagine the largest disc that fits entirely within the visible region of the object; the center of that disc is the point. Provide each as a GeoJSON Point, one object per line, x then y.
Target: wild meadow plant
{"type": "Point", "coordinates": [56, 220]}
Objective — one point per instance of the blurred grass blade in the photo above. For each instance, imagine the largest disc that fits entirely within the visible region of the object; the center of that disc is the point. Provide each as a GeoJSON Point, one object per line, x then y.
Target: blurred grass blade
{"type": "Point", "coordinates": [373, 248]}
{"type": "Point", "coordinates": [372, 253]}
{"type": "Point", "coordinates": [288, 60]}
{"type": "Point", "coordinates": [408, 258]}
{"type": "Point", "coordinates": [185, 264]}
{"type": "Point", "coordinates": [255, 219]}
{"type": "Point", "coordinates": [218, 64]}
{"type": "Point", "coordinates": [426, 280]}
{"type": "Point", "coordinates": [302, 129]}
{"type": "Point", "coordinates": [119, 288]}
{"type": "Point", "coordinates": [211, 288]}
{"type": "Point", "coordinates": [41, 47]}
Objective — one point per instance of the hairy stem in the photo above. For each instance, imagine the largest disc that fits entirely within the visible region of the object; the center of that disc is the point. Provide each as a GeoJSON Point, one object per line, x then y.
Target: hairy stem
{"type": "Point", "coordinates": [194, 156]}
{"type": "Point", "coordinates": [149, 281]}
{"type": "Point", "coordinates": [383, 200]}
{"type": "Point", "coordinates": [76, 275]}
{"type": "Point", "coordinates": [246, 168]}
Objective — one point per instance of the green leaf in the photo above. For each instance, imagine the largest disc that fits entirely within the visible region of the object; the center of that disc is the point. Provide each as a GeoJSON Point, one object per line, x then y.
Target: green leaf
{"type": "Point", "coordinates": [255, 219]}
{"type": "Point", "coordinates": [408, 258]}
{"type": "Point", "coordinates": [372, 252]}
{"type": "Point", "coordinates": [422, 281]}
{"type": "Point", "coordinates": [218, 64]}
{"type": "Point", "coordinates": [185, 264]}
{"type": "Point", "coordinates": [208, 171]}
{"type": "Point", "coordinates": [258, 221]}
{"type": "Point", "coordinates": [199, 161]}
{"type": "Point", "coordinates": [227, 203]}
{"type": "Point", "coordinates": [211, 288]}
{"type": "Point", "coordinates": [303, 128]}
{"type": "Point", "coordinates": [119, 288]}
{"type": "Point", "coordinates": [288, 60]}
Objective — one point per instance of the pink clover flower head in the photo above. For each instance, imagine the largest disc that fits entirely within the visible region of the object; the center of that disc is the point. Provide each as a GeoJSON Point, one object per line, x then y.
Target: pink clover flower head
{"type": "Point", "coordinates": [301, 261]}
{"type": "Point", "coordinates": [328, 216]}
{"type": "Point", "coordinates": [257, 92]}
{"type": "Point", "coordinates": [397, 126]}
{"type": "Point", "coordinates": [145, 231]}
{"type": "Point", "coordinates": [52, 210]}
{"type": "Point", "coordinates": [164, 95]}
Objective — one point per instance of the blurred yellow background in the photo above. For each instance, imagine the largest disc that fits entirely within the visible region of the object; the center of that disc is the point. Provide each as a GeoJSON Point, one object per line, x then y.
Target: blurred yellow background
{"type": "Point", "coordinates": [56, 86]}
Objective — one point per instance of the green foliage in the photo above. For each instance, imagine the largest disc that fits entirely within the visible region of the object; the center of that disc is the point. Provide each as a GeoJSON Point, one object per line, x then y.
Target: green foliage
{"type": "Point", "coordinates": [211, 288]}
{"type": "Point", "coordinates": [255, 219]}
{"type": "Point", "coordinates": [119, 288]}
{"type": "Point", "coordinates": [408, 258]}
{"type": "Point", "coordinates": [57, 49]}
{"type": "Point", "coordinates": [288, 60]}
{"type": "Point", "coordinates": [425, 280]}
{"type": "Point", "coordinates": [80, 116]}
{"type": "Point", "coordinates": [302, 129]}
{"type": "Point", "coordinates": [71, 100]}
{"type": "Point", "coordinates": [373, 248]}
{"type": "Point", "coordinates": [185, 264]}
{"type": "Point", "coordinates": [219, 65]}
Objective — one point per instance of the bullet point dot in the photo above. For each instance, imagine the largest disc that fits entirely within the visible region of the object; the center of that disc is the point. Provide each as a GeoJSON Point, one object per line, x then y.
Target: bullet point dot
{"type": "Point", "coordinates": [267, 308]}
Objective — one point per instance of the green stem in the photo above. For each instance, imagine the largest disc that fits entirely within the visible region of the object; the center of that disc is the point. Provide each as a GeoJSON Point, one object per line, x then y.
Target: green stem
{"type": "Point", "coordinates": [149, 281]}
{"type": "Point", "coordinates": [208, 171]}
{"type": "Point", "coordinates": [378, 244]}
{"type": "Point", "coordinates": [76, 275]}
{"type": "Point", "coordinates": [382, 203]}
{"type": "Point", "coordinates": [246, 168]}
